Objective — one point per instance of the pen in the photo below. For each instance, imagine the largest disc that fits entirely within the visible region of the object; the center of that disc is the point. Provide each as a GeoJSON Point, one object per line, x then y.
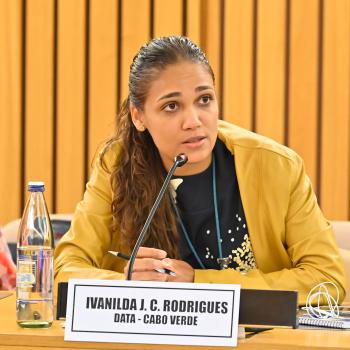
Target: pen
{"type": "Point", "coordinates": [127, 257]}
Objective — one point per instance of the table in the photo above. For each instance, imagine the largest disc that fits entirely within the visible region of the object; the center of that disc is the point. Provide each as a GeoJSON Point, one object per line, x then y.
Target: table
{"type": "Point", "coordinates": [15, 338]}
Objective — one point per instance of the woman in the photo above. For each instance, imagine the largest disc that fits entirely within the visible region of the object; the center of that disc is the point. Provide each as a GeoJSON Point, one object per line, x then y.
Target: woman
{"type": "Point", "coordinates": [241, 210]}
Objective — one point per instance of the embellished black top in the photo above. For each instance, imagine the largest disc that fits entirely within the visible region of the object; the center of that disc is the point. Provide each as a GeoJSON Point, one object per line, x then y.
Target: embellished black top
{"type": "Point", "coordinates": [195, 203]}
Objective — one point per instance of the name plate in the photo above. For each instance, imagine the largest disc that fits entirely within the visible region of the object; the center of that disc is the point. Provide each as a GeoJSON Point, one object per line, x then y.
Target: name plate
{"type": "Point", "coordinates": [152, 312]}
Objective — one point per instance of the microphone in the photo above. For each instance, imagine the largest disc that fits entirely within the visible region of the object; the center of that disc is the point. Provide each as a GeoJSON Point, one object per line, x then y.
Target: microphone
{"type": "Point", "coordinates": [179, 161]}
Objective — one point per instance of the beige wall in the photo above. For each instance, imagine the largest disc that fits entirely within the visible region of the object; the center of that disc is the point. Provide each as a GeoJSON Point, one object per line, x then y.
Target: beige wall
{"type": "Point", "coordinates": [282, 70]}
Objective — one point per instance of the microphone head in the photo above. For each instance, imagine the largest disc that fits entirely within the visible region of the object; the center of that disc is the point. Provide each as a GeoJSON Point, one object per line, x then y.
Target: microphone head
{"type": "Point", "coordinates": [181, 159]}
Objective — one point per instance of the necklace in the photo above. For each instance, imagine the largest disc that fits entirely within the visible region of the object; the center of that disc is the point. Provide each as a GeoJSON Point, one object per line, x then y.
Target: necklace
{"type": "Point", "coordinates": [222, 261]}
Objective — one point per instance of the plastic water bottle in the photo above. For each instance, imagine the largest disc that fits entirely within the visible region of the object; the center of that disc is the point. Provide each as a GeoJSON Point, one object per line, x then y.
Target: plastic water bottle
{"type": "Point", "coordinates": [34, 279]}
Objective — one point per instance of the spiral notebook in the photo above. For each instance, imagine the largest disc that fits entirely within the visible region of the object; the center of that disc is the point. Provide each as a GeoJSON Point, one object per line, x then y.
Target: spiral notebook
{"type": "Point", "coordinates": [339, 323]}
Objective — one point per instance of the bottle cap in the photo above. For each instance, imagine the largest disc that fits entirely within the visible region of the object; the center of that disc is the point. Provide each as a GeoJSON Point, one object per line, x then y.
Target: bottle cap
{"type": "Point", "coordinates": [36, 186]}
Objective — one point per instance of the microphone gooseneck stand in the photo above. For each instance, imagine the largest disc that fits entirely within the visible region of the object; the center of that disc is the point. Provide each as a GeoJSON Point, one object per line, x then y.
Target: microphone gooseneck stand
{"type": "Point", "coordinates": [180, 160]}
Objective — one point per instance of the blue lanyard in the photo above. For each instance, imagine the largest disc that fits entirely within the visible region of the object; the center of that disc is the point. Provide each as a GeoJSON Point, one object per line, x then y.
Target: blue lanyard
{"type": "Point", "coordinates": [217, 221]}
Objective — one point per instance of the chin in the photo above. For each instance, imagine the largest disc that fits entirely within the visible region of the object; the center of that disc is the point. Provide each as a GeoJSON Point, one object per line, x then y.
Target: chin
{"type": "Point", "coordinates": [199, 155]}
{"type": "Point", "coordinates": [203, 160]}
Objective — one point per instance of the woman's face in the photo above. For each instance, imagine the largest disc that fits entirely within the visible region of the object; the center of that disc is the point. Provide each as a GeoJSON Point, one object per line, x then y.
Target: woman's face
{"type": "Point", "coordinates": [181, 114]}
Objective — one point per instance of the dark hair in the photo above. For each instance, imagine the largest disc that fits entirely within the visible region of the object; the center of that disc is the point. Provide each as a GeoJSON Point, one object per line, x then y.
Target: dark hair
{"type": "Point", "coordinates": [139, 173]}
{"type": "Point", "coordinates": [154, 57]}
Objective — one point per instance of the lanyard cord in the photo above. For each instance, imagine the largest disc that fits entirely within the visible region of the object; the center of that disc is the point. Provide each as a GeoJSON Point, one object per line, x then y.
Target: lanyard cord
{"type": "Point", "coordinates": [188, 240]}
{"type": "Point", "coordinates": [217, 222]}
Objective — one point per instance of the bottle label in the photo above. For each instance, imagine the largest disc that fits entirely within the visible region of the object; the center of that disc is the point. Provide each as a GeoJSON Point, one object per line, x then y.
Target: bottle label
{"type": "Point", "coordinates": [26, 272]}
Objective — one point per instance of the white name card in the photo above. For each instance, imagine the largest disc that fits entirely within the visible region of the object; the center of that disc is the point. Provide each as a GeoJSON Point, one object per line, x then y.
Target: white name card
{"type": "Point", "coordinates": [152, 312]}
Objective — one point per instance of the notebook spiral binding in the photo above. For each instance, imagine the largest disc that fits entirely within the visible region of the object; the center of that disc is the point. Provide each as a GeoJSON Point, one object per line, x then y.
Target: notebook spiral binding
{"type": "Point", "coordinates": [323, 322]}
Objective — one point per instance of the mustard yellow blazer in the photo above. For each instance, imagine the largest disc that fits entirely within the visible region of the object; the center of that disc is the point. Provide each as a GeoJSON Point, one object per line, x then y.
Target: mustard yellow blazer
{"type": "Point", "coordinates": [293, 244]}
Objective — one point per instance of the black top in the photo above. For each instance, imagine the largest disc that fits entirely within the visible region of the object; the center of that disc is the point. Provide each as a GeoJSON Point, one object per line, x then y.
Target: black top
{"type": "Point", "coordinates": [195, 201]}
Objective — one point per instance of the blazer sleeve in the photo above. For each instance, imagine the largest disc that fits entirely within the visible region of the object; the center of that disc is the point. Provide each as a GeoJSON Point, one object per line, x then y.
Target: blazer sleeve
{"type": "Point", "coordinates": [81, 251]}
{"type": "Point", "coordinates": [308, 241]}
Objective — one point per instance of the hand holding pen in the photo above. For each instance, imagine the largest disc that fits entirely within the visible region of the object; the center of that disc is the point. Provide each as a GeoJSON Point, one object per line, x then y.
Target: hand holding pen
{"type": "Point", "coordinates": [151, 258]}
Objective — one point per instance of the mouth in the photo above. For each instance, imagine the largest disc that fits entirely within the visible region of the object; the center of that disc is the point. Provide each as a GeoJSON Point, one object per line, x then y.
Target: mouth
{"type": "Point", "coordinates": [194, 140]}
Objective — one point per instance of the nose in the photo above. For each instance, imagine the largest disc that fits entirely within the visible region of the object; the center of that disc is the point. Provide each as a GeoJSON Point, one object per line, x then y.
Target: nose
{"type": "Point", "coordinates": [191, 119]}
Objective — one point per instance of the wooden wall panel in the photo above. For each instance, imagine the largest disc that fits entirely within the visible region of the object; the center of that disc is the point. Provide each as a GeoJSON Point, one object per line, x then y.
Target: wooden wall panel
{"type": "Point", "coordinates": [103, 73]}
{"type": "Point", "coordinates": [281, 66]}
{"type": "Point", "coordinates": [71, 22]}
{"type": "Point", "coordinates": [335, 109]}
{"type": "Point", "coordinates": [39, 95]}
{"type": "Point", "coordinates": [304, 81]}
{"type": "Point", "coordinates": [270, 74]}
{"type": "Point", "coordinates": [167, 17]}
{"type": "Point", "coordinates": [238, 62]}
{"type": "Point", "coordinates": [135, 33]}
{"type": "Point", "coordinates": [194, 20]}
{"type": "Point", "coordinates": [210, 38]}
{"type": "Point", "coordinates": [11, 186]}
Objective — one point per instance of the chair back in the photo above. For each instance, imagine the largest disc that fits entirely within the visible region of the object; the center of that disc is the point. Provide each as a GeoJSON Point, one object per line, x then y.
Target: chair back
{"type": "Point", "coordinates": [342, 235]}
{"type": "Point", "coordinates": [60, 225]}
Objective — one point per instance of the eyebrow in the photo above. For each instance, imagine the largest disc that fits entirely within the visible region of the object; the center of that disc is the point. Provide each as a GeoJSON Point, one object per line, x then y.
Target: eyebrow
{"type": "Point", "coordinates": [176, 94]}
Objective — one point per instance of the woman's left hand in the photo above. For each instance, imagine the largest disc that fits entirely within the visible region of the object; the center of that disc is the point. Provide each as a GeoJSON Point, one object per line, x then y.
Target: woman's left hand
{"type": "Point", "coordinates": [184, 271]}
